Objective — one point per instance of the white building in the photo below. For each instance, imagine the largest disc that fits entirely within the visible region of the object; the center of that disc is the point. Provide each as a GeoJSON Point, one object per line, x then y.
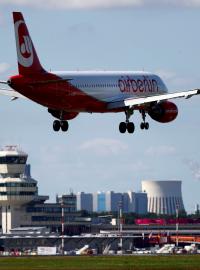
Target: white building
{"type": "Point", "coordinates": [16, 190]}
{"type": "Point", "coordinates": [164, 197]}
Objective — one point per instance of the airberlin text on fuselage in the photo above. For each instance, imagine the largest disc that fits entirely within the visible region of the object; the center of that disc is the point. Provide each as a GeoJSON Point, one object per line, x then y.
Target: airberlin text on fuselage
{"type": "Point", "coordinates": [143, 84]}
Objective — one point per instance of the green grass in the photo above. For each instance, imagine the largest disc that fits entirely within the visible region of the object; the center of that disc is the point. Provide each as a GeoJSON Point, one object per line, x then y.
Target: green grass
{"type": "Point", "coordinates": [181, 262]}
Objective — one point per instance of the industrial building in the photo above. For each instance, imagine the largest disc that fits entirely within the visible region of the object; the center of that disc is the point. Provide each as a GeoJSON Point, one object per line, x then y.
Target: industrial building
{"type": "Point", "coordinates": [164, 197]}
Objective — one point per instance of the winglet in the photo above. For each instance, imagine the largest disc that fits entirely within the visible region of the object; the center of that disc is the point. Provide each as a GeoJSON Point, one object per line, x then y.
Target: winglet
{"type": "Point", "coordinates": [28, 61]}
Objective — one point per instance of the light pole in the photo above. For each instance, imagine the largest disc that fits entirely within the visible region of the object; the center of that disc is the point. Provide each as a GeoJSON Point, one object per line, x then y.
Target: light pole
{"type": "Point", "coordinates": [62, 226]}
{"type": "Point", "coordinates": [120, 222]}
{"type": "Point", "coordinates": [177, 224]}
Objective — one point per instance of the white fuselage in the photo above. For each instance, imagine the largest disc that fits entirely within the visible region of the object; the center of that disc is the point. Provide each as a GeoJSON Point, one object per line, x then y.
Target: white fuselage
{"type": "Point", "coordinates": [110, 86]}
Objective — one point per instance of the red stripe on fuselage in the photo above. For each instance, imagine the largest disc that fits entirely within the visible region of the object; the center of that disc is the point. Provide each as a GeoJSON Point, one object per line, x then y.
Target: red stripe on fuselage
{"type": "Point", "coordinates": [53, 92]}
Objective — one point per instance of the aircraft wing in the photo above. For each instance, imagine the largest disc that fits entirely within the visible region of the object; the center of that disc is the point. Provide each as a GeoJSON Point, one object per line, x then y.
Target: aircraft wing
{"type": "Point", "coordinates": [131, 102]}
{"type": "Point", "coordinates": [11, 93]}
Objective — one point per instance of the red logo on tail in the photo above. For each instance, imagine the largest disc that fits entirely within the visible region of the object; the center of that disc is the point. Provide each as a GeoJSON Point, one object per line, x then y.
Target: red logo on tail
{"type": "Point", "coordinates": [24, 45]}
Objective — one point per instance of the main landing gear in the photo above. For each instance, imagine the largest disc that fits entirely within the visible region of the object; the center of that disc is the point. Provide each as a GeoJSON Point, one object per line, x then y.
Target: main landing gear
{"type": "Point", "coordinates": [144, 124]}
{"type": "Point", "coordinates": [127, 126]}
{"type": "Point", "coordinates": [60, 124]}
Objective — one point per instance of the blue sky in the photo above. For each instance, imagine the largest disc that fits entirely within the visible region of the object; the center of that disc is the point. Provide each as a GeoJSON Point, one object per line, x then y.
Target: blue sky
{"type": "Point", "coordinates": [158, 36]}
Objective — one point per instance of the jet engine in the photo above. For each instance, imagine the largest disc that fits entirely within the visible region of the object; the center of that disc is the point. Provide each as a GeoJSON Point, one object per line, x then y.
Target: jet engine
{"type": "Point", "coordinates": [163, 112]}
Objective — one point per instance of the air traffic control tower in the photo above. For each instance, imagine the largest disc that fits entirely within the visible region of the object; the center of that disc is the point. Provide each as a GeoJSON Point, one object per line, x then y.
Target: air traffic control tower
{"type": "Point", "coordinates": [17, 188]}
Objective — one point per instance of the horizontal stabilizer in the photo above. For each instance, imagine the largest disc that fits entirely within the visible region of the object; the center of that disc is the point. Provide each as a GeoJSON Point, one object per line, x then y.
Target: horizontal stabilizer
{"type": "Point", "coordinates": [3, 82]}
{"type": "Point", "coordinates": [11, 93]}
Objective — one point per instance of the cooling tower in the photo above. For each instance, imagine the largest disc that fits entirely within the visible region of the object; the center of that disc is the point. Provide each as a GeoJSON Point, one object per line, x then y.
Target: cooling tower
{"type": "Point", "coordinates": [163, 196]}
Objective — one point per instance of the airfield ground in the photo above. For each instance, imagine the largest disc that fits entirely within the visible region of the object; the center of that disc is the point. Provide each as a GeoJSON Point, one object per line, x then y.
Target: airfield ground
{"type": "Point", "coordinates": [175, 262]}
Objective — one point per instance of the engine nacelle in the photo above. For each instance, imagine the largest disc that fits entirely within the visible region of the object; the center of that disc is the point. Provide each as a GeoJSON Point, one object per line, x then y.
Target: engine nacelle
{"type": "Point", "coordinates": [65, 115]}
{"type": "Point", "coordinates": [163, 112]}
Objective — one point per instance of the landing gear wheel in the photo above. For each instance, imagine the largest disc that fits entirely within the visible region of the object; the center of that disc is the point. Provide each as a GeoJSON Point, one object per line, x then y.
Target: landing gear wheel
{"type": "Point", "coordinates": [122, 127]}
{"type": "Point", "coordinates": [146, 125]}
{"type": "Point", "coordinates": [64, 125]}
{"type": "Point", "coordinates": [130, 127]}
{"type": "Point", "coordinates": [56, 125]}
{"type": "Point", "coordinates": [142, 125]}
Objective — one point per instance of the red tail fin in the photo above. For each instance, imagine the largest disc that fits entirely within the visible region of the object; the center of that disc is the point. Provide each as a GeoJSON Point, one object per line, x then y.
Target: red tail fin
{"type": "Point", "coordinates": [28, 61]}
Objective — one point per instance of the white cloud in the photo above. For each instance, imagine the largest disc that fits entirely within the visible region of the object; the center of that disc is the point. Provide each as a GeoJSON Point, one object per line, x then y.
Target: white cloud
{"type": "Point", "coordinates": [78, 4]}
{"type": "Point", "coordinates": [102, 146]}
{"type": "Point", "coordinates": [4, 67]}
{"type": "Point", "coordinates": [194, 166]}
{"type": "Point", "coordinates": [162, 150]}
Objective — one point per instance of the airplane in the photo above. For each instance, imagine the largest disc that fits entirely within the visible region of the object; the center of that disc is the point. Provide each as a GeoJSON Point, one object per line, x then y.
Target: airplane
{"type": "Point", "coordinates": [68, 93]}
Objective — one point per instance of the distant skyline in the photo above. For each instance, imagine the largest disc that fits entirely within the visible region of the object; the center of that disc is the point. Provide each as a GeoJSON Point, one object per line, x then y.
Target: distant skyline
{"type": "Point", "coordinates": [157, 36]}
